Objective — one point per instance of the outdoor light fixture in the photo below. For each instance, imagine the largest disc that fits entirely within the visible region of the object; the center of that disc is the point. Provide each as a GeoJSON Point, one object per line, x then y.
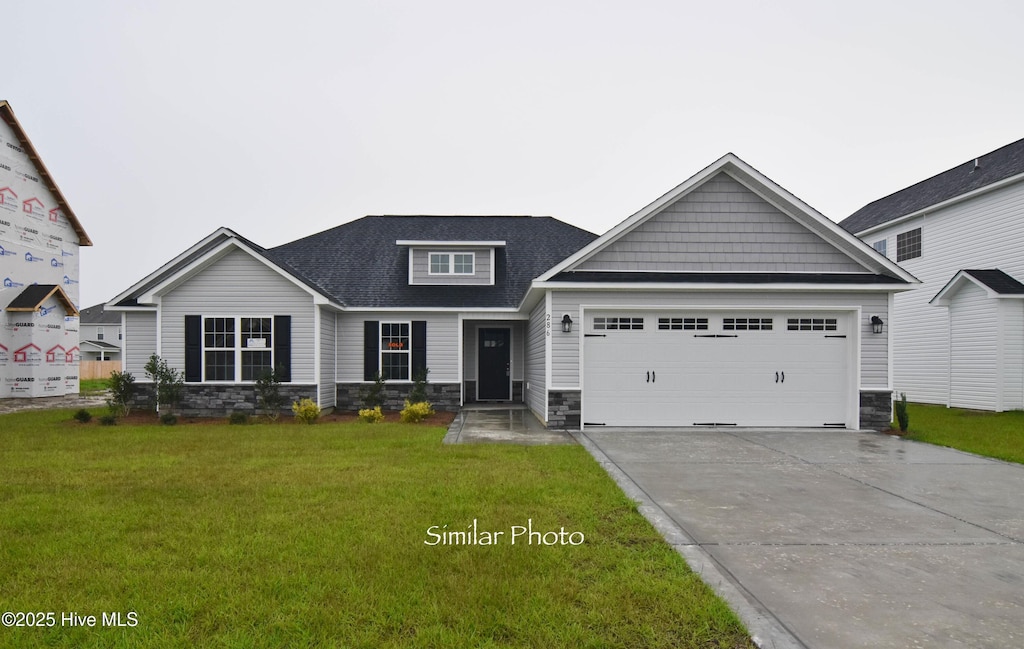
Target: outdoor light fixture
{"type": "Point", "coordinates": [566, 324]}
{"type": "Point", "coordinates": [876, 324]}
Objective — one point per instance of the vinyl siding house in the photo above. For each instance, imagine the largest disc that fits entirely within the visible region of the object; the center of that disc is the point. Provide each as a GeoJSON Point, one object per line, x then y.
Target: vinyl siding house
{"type": "Point", "coordinates": [100, 334]}
{"type": "Point", "coordinates": [40, 239]}
{"type": "Point", "coordinates": [727, 301]}
{"type": "Point", "coordinates": [958, 337]}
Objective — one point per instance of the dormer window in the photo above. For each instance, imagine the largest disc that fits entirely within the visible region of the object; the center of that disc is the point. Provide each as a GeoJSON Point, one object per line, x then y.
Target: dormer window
{"type": "Point", "coordinates": [452, 263]}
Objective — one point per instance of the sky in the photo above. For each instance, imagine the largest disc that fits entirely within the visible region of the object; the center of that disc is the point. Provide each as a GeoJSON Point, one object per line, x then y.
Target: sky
{"type": "Point", "coordinates": [162, 121]}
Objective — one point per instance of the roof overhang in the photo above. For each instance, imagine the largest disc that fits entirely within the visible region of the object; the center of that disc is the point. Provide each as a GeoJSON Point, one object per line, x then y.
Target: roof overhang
{"type": "Point", "coordinates": [941, 205]}
{"type": "Point", "coordinates": [33, 297]}
{"type": "Point", "coordinates": [7, 114]}
{"type": "Point", "coordinates": [415, 243]}
{"type": "Point", "coordinates": [962, 279]}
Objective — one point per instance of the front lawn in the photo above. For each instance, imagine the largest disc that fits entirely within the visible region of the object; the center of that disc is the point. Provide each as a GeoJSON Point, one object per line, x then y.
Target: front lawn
{"type": "Point", "coordinates": [994, 434]}
{"type": "Point", "coordinates": [277, 535]}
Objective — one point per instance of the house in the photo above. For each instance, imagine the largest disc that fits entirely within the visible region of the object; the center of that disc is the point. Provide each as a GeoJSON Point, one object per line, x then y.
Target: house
{"type": "Point", "coordinates": [727, 301]}
{"type": "Point", "coordinates": [39, 269]}
{"type": "Point", "coordinates": [958, 338]}
{"type": "Point", "coordinates": [100, 334]}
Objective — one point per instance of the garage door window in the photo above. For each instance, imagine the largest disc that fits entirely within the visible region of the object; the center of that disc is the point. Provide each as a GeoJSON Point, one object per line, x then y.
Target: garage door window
{"type": "Point", "coordinates": [683, 324]}
{"type": "Point", "coordinates": [747, 324]}
{"type": "Point", "coordinates": [618, 323]}
{"type": "Point", "coordinates": [811, 324]}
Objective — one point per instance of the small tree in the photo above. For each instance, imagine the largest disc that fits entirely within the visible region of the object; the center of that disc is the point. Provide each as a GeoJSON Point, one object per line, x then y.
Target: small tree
{"type": "Point", "coordinates": [418, 394]}
{"type": "Point", "coordinates": [122, 388]}
{"type": "Point", "coordinates": [169, 381]}
{"type": "Point", "coordinates": [268, 392]}
{"type": "Point", "coordinates": [373, 395]}
{"type": "Point", "coordinates": [901, 413]}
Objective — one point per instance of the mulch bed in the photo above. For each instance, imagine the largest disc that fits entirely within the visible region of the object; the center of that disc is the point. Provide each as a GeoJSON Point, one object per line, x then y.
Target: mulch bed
{"type": "Point", "coordinates": [148, 418]}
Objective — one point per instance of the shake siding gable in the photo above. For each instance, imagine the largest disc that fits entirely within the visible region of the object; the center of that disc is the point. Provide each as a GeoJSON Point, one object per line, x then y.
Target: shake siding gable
{"type": "Point", "coordinates": [721, 226]}
{"type": "Point", "coordinates": [238, 285]}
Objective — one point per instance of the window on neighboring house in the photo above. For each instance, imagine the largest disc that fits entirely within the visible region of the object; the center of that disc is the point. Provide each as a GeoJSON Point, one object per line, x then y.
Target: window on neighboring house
{"type": "Point", "coordinates": [395, 351]}
{"type": "Point", "coordinates": [880, 246]}
{"type": "Point", "coordinates": [448, 263]}
{"type": "Point", "coordinates": [237, 349]}
{"type": "Point", "coordinates": [99, 333]}
{"type": "Point", "coordinates": [120, 335]}
{"type": "Point", "coordinates": [908, 244]}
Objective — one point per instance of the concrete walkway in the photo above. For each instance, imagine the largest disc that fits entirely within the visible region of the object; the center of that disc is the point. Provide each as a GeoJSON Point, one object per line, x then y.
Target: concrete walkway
{"type": "Point", "coordinates": [824, 538]}
{"type": "Point", "coordinates": [502, 424]}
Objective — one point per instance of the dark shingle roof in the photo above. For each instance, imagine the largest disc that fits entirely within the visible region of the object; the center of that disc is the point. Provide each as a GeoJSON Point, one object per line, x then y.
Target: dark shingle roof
{"type": "Point", "coordinates": [358, 264]}
{"type": "Point", "coordinates": [97, 315]}
{"type": "Point", "coordinates": [33, 297]}
{"type": "Point", "coordinates": [998, 165]}
{"type": "Point", "coordinates": [998, 281]}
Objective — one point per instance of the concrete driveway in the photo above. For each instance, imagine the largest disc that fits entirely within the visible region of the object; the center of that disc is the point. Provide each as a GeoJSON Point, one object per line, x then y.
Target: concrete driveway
{"type": "Point", "coordinates": [825, 538]}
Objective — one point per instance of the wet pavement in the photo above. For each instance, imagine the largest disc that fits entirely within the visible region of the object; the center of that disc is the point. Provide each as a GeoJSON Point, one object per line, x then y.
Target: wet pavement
{"type": "Point", "coordinates": [502, 425]}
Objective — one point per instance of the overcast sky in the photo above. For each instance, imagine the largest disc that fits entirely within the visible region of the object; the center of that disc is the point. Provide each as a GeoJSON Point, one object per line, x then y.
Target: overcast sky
{"type": "Point", "coordinates": [161, 121]}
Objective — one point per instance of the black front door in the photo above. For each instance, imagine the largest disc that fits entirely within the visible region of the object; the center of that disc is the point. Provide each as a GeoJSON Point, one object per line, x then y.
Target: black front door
{"type": "Point", "coordinates": [494, 365]}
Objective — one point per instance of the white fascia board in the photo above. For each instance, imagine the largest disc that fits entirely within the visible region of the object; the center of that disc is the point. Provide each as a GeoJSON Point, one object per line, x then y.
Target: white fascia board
{"type": "Point", "coordinates": [946, 203]}
{"type": "Point", "coordinates": [152, 277]}
{"type": "Point", "coordinates": [213, 255]}
{"type": "Point", "coordinates": [450, 244]}
{"type": "Point", "coordinates": [114, 307]}
{"type": "Point", "coordinates": [428, 309]}
{"type": "Point", "coordinates": [723, 287]}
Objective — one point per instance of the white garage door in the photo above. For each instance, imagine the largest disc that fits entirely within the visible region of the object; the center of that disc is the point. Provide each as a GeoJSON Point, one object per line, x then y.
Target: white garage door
{"type": "Point", "coordinates": [716, 368]}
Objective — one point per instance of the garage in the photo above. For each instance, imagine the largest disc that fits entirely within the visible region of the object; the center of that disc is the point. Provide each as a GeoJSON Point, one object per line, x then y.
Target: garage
{"type": "Point", "coordinates": [717, 368]}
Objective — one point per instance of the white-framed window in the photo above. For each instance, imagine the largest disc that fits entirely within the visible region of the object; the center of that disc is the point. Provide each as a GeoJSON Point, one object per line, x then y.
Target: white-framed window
{"type": "Point", "coordinates": [237, 348]}
{"type": "Point", "coordinates": [452, 263]}
{"type": "Point", "coordinates": [683, 324]}
{"type": "Point", "coordinates": [395, 351]}
{"type": "Point", "coordinates": [99, 333]}
{"type": "Point", "coordinates": [881, 246]}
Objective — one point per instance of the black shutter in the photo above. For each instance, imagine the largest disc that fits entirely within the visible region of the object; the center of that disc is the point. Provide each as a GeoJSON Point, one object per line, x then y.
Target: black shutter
{"type": "Point", "coordinates": [283, 347]}
{"type": "Point", "coordinates": [419, 346]}
{"type": "Point", "coordinates": [193, 348]}
{"type": "Point", "coordinates": [371, 349]}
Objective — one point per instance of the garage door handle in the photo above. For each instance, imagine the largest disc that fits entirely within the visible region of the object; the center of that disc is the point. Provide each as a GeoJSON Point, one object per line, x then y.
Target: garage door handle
{"type": "Point", "coordinates": [783, 377]}
{"type": "Point", "coordinates": [776, 377]}
{"type": "Point", "coordinates": [654, 377]}
{"type": "Point", "coordinates": [648, 377]}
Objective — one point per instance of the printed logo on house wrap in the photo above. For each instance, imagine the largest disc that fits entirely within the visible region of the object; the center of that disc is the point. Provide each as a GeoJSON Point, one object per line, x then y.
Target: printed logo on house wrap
{"type": "Point", "coordinates": [475, 534]}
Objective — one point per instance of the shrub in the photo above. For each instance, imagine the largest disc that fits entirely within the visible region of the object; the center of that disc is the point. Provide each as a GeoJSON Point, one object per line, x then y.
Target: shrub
{"type": "Point", "coordinates": [371, 415]}
{"type": "Point", "coordinates": [418, 394]}
{"type": "Point", "coordinates": [238, 419]}
{"type": "Point", "coordinates": [306, 411]}
{"type": "Point", "coordinates": [901, 413]}
{"type": "Point", "coordinates": [170, 382]}
{"type": "Point", "coordinates": [416, 412]}
{"type": "Point", "coordinates": [268, 392]}
{"type": "Point", "coordinates": [373, 395]}
{"type": "Point", "coordinates": [108, 420]}
{"type": "Point", "coordinates": [168, 419]}
{"type": "Point", "coordinates": [83, 416]}
{"type": "Point", "coordinates": [122, 388]}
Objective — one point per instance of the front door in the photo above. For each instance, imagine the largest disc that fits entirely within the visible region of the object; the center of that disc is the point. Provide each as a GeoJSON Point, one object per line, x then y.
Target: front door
{"type": "Point", "coordinates": [494, 365]}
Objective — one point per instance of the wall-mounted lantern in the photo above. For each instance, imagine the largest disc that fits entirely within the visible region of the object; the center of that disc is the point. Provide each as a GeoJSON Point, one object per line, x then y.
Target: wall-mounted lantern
{"type": "Point", "coordinates": [876, 324]}
{"type": "Point", "coordinates": [566, 324]}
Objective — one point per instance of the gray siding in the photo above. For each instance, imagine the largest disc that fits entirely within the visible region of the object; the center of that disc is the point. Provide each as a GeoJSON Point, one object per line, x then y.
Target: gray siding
{"type": "Point", "coordinates": [974, 352]}
{"type": "Point", "coordinates": [140, 342]}
{"type": "Point", "coordinates": [535, 390]}
{"type": "Point", "coordinates": [238, 285]}
{"type": "Point", "coordinates": [442, 343]}
{"type": "Point", "coordinates": [985, 232]}
{"type": "Point", "coordinates": [565, 348]}
{"type": "Point", "coordinates": [1012, 318]}
{"type": "Point", "coordinates": [481, 266]}
{"type": "Point", "coordinates": [328, 391]}
{"type": "Point", "coordinates": [721, 226]}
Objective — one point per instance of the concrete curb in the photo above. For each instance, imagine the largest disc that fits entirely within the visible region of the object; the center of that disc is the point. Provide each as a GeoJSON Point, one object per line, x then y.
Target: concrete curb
{"type": "Point", "coordinates": [455, 428]}
{"type": "Point", "coordinates": [765, 630]}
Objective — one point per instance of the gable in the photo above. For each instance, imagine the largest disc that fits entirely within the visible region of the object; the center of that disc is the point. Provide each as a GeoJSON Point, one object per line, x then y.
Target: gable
{"type": "Point", "coordinates": [721, 226]}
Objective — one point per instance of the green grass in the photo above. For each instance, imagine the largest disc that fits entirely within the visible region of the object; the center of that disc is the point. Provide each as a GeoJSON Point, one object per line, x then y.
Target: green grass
{"type": "Point", "coordinates": [279, 535]}
{"type": "Point", "coordinates": [993, 434]}
{"type": "Point", "coordinates": [92, 386]}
